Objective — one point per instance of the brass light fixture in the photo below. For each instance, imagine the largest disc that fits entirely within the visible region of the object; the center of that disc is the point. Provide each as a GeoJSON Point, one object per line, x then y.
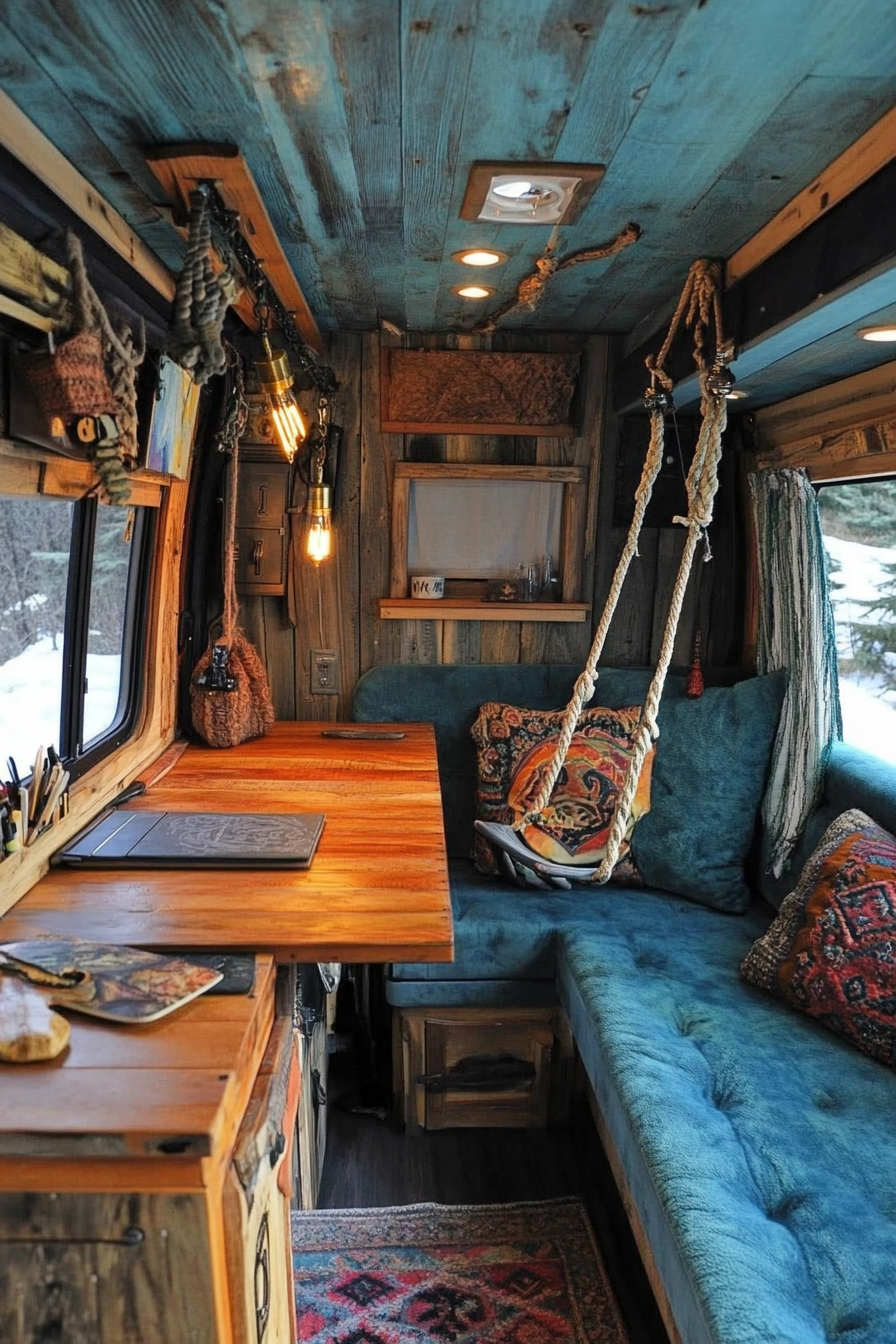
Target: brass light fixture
{"type": "Point", "coordinates": [319, 506]}
{"type": "Point", "coordinates": [275, 377]}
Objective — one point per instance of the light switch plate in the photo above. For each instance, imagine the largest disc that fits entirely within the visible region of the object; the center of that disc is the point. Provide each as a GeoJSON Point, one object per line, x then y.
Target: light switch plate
{"type": "Point", "coordinates": [324, 671]}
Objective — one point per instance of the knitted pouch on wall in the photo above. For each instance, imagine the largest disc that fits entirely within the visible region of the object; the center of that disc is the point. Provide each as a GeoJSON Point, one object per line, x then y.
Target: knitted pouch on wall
{"type": "Point", "coordinates": [224, 718]}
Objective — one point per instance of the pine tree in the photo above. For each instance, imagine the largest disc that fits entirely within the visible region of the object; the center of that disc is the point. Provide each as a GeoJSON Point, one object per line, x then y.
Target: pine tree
{"type": "Point", "coordinates": [874, 641]}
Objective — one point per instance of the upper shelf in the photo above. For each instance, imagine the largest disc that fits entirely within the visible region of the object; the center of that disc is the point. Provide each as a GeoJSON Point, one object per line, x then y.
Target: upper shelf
{"type": "Point", "coordinates": [466, 609]}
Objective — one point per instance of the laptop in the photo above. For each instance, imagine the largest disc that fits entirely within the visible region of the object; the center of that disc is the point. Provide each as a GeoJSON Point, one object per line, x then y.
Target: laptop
{"type": "Point", "coordinates": [197, 840]}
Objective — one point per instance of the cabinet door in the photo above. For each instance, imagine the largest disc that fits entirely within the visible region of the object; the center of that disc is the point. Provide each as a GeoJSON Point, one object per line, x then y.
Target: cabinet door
{"type": "Point", "coordinates": [106, 1269]}
{"type": "Point", "coordinates": [257, 1201]}
{"type": "Point", "coordinates": [312, 1139]}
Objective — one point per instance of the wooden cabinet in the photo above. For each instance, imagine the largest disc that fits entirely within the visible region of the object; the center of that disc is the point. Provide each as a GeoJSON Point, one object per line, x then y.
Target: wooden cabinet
{"type": "Point", "coordinates": [139, 1203]}
{"type": "Point", "coordinates": [480, 1066]}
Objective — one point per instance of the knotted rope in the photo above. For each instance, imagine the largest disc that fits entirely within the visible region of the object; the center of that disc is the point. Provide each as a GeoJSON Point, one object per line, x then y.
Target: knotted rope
{"type": "Point", "coordinates": [700, 299]}
{"type": "Point", "coordinates": [201, 300]}
{"type": "Point", "coordinates": [531, 289]}
{"type": "Point", "coordinates": [122, 356]}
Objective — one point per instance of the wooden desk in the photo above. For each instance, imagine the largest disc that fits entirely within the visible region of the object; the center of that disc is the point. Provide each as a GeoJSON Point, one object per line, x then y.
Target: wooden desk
{"type": "Point", "coordinates": [377, 889]}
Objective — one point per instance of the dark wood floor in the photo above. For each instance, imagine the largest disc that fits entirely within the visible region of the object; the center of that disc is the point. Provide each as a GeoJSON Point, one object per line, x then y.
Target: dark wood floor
{"type": "Point", "coordinates": [370, 1163]}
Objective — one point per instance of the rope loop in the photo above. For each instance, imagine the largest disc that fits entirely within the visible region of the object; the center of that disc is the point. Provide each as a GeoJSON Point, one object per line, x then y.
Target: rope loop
{"type": "Point", "coordinates": [699, 306]}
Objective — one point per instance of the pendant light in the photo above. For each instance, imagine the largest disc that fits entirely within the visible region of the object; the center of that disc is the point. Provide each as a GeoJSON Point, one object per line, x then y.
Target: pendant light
{"type": "Point", "coordinates": [275, 377]}
{"type": "Point", "coordinates": [320, 496]}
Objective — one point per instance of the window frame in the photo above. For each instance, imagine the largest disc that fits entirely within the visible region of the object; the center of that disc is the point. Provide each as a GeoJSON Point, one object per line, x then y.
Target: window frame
{"type": "Point", "coordinates": [77, 756]}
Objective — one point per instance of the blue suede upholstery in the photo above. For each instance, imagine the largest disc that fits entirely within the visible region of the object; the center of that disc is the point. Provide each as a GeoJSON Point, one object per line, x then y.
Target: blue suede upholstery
{"type": "Point", "coordinates": [757, 1146]}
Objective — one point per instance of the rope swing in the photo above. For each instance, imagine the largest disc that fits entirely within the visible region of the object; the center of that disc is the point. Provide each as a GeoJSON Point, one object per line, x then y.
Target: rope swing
{"type": "Point", "coordinates": [699, 307]}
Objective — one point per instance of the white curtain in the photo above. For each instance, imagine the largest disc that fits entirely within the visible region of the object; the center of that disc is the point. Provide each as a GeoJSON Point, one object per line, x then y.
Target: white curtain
{"type": "Point", "coordinates": [796, 631]}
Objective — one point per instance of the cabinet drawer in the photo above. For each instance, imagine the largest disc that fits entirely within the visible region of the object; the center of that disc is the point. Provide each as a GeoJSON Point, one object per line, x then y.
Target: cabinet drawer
{"type": "Point", "coordinates": [470, 1067]}
{"type": "Point", "coordinates": [261, 560]}
{"type": "Point", "coordinates": [262, 494]}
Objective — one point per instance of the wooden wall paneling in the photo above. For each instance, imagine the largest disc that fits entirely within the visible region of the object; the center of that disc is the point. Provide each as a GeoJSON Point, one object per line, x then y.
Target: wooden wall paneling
{"type": "Point", "coordinates": [670, 545]}
{"type": "Point", "coordinates": [501, 642]}
{"type": "Point", "coordinates": [398, 559]}
{"type": "Point", "coordinates": [328, 593]}
{"type": "Point", "coordinates": [629, 637]}
{"type": "Point", "coordinates": [380, 641]}
{"type": "Point", "coordinates": [421, 641]}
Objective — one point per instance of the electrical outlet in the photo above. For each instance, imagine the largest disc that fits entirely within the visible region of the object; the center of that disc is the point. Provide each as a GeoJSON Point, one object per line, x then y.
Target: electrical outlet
{"type": "Point", "coordinates": [324, 672]}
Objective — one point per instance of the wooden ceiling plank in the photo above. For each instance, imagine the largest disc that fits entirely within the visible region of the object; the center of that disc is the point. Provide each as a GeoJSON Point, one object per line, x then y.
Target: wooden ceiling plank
{"type": "Point", "coordinates": [543, 63]}
{"type": "Point", "coordinates": [304, 93]}
{"type": "Point", "coordinates": [856, 165]}
{"type": "Point", "coordinates": [22, 138]}
{"type": "Point", "coordinates": [179, 169]}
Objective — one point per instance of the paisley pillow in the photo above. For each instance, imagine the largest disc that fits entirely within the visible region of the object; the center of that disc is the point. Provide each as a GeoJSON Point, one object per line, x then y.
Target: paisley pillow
{"type": "Point", "coordinates": [831, 951]}
{"type": "Point", "coordinates": [515, 746]}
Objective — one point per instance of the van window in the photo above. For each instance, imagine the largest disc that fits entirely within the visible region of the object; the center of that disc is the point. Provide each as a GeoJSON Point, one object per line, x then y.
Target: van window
{"type": "Point", "coordinates": [72, 613]}
{"type": "Point", "coordinates": [858, 522]}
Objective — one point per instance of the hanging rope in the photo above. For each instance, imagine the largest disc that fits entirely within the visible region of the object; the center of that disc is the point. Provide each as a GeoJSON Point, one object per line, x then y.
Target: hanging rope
{"type": "Point", "coordinates": [531, 289]}
{"type": "Point", "coordinates": [201, 300]}
{"type": "Point", "coordinates": [699, 302]}
{"type": "Point", "coordinates": [122, 356]}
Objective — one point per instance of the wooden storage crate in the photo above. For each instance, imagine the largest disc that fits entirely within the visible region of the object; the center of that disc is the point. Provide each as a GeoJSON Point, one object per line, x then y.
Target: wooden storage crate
{"type": "Point", "coordinates": [480, 1067]}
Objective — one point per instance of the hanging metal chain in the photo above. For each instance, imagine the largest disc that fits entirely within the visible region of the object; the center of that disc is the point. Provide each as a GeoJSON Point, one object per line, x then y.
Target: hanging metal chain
{"type": "Point", "coordinates": [236, 411]}
{"type": "Point", "coordinates": [229, 240]}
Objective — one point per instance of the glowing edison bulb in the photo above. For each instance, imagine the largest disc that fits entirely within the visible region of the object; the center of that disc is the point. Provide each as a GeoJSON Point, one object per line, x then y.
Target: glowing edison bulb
{"type": "Point", "coordinates": [288, 423]}
{"type": "Point", "coordinates": [317, 543]}
{"type": "Point", "coordinates": [275, 377]}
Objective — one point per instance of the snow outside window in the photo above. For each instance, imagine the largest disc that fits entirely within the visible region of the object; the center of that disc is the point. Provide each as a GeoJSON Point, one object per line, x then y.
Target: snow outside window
{"type": "Point", "coordinates": [858, 522]}
{"type": "Point", "coordinates": [65, 596]}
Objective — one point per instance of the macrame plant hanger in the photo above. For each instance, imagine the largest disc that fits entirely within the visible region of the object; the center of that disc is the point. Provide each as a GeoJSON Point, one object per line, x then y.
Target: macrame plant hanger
{"type": "Point", "coordinates": [699, 306]}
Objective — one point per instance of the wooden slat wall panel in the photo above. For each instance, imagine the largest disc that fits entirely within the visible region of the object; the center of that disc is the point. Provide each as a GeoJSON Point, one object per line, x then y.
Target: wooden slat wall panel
{"type": "Point", "coordinates": [361, 570]}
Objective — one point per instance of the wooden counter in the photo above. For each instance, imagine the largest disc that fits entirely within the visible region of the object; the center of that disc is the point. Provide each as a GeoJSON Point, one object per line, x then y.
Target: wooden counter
{"type": "Point", "coordinates": [376, 891]}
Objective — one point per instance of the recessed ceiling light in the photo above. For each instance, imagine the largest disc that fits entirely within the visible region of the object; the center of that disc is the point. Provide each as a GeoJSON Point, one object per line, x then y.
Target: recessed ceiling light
{"type": "Point", "coordinates": [877, 333]}
{"type": "Point", "coordinates": [473, 291]}
{"type": "Point", "coordinates": [480, 256]}
{"type": "Point", "coordinates": [529, 193]}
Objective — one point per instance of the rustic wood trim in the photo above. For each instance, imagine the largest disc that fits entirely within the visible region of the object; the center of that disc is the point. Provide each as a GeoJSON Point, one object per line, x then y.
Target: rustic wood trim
{"type": "Point", "coordinates": [179, 167]}
{"type": "Point", "coordinates": [572, 540]}
{"type": "Point", "coordinates": [642, 1241]}
{"type": "Point", "coordinates": [463, 609]}
{"type": "Point", "coordinates": [746, 464]}
{"type": "Point", "coordinates": [20, 312]}
{"type": "Point", "coordinates": [32, 148]}
{"type": "Point", "coordinates": [565, 431]}
{"type": "Point", "coordinates": [481, 471]}
{"type": "Point", "coordinates": [854, 166]}
{"type": "Point", "coordinates": [867, 398]}
{"type": "Point", "coordinates": [89, 794]}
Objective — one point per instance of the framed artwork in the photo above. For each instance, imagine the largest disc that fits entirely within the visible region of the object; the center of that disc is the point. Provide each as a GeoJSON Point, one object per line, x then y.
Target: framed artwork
{"type": "Point", "coordinates": [172, 420]}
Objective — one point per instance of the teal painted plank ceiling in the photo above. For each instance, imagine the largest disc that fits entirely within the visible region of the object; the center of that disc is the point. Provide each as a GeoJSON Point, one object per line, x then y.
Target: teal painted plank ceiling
{"type": "Point", "coordinates": [360, 119]}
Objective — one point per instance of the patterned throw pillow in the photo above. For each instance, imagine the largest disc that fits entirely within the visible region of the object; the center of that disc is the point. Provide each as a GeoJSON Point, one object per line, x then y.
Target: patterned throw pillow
{"type": "Point", "coordinates": [514, 748]}
{"type": "Point", "coordinates": [831, 952]}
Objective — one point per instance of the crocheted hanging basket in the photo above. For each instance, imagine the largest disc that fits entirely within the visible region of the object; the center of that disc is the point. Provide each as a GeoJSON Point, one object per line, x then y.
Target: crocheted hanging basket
{"type": "Point", "coordinates": [224, 718]}
{"type": "Point", "coordinates": [71, 381]}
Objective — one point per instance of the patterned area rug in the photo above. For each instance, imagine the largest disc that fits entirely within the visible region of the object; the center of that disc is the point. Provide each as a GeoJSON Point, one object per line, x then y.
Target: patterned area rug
{"type": "Point", "coordinates": [452, 1274]}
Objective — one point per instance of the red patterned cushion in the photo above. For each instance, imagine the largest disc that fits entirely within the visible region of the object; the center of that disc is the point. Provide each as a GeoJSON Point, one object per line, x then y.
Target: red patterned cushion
{"type": "Point", "coordinates": [515, 747]}
{"type": "Point", "coordinates": [831, 952]}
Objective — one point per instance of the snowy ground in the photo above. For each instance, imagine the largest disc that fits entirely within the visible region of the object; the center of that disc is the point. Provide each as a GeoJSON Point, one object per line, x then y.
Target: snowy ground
{"type": "Point", "coordinates": [869, 713]}
{"type": "Point", "coordinates": [30, 696]}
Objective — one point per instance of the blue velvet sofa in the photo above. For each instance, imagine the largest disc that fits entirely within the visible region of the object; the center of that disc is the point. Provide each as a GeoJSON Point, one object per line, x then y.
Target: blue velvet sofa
{"type": "Point", "coordinates": [758, 1149]}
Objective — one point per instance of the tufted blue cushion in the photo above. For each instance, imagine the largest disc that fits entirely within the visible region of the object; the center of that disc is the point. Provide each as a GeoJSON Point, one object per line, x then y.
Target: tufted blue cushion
{"type": "Point", "coordinates": [711, 762]}
{"type": "Point", "coordinates": [759, 1148]}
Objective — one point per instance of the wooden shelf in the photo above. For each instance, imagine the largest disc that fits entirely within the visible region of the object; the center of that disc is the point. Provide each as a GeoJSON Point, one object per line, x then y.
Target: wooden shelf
{"type": "Point", "coordinates": [467, 609]}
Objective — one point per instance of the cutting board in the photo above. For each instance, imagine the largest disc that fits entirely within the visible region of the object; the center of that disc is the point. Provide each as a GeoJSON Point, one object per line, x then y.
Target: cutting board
{"type": "Point", "coordinates": [118, 984]}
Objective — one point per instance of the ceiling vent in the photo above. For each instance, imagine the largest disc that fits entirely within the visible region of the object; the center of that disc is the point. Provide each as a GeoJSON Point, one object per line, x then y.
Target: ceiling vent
{"type": "Point", "coordinates": [529, 193]}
